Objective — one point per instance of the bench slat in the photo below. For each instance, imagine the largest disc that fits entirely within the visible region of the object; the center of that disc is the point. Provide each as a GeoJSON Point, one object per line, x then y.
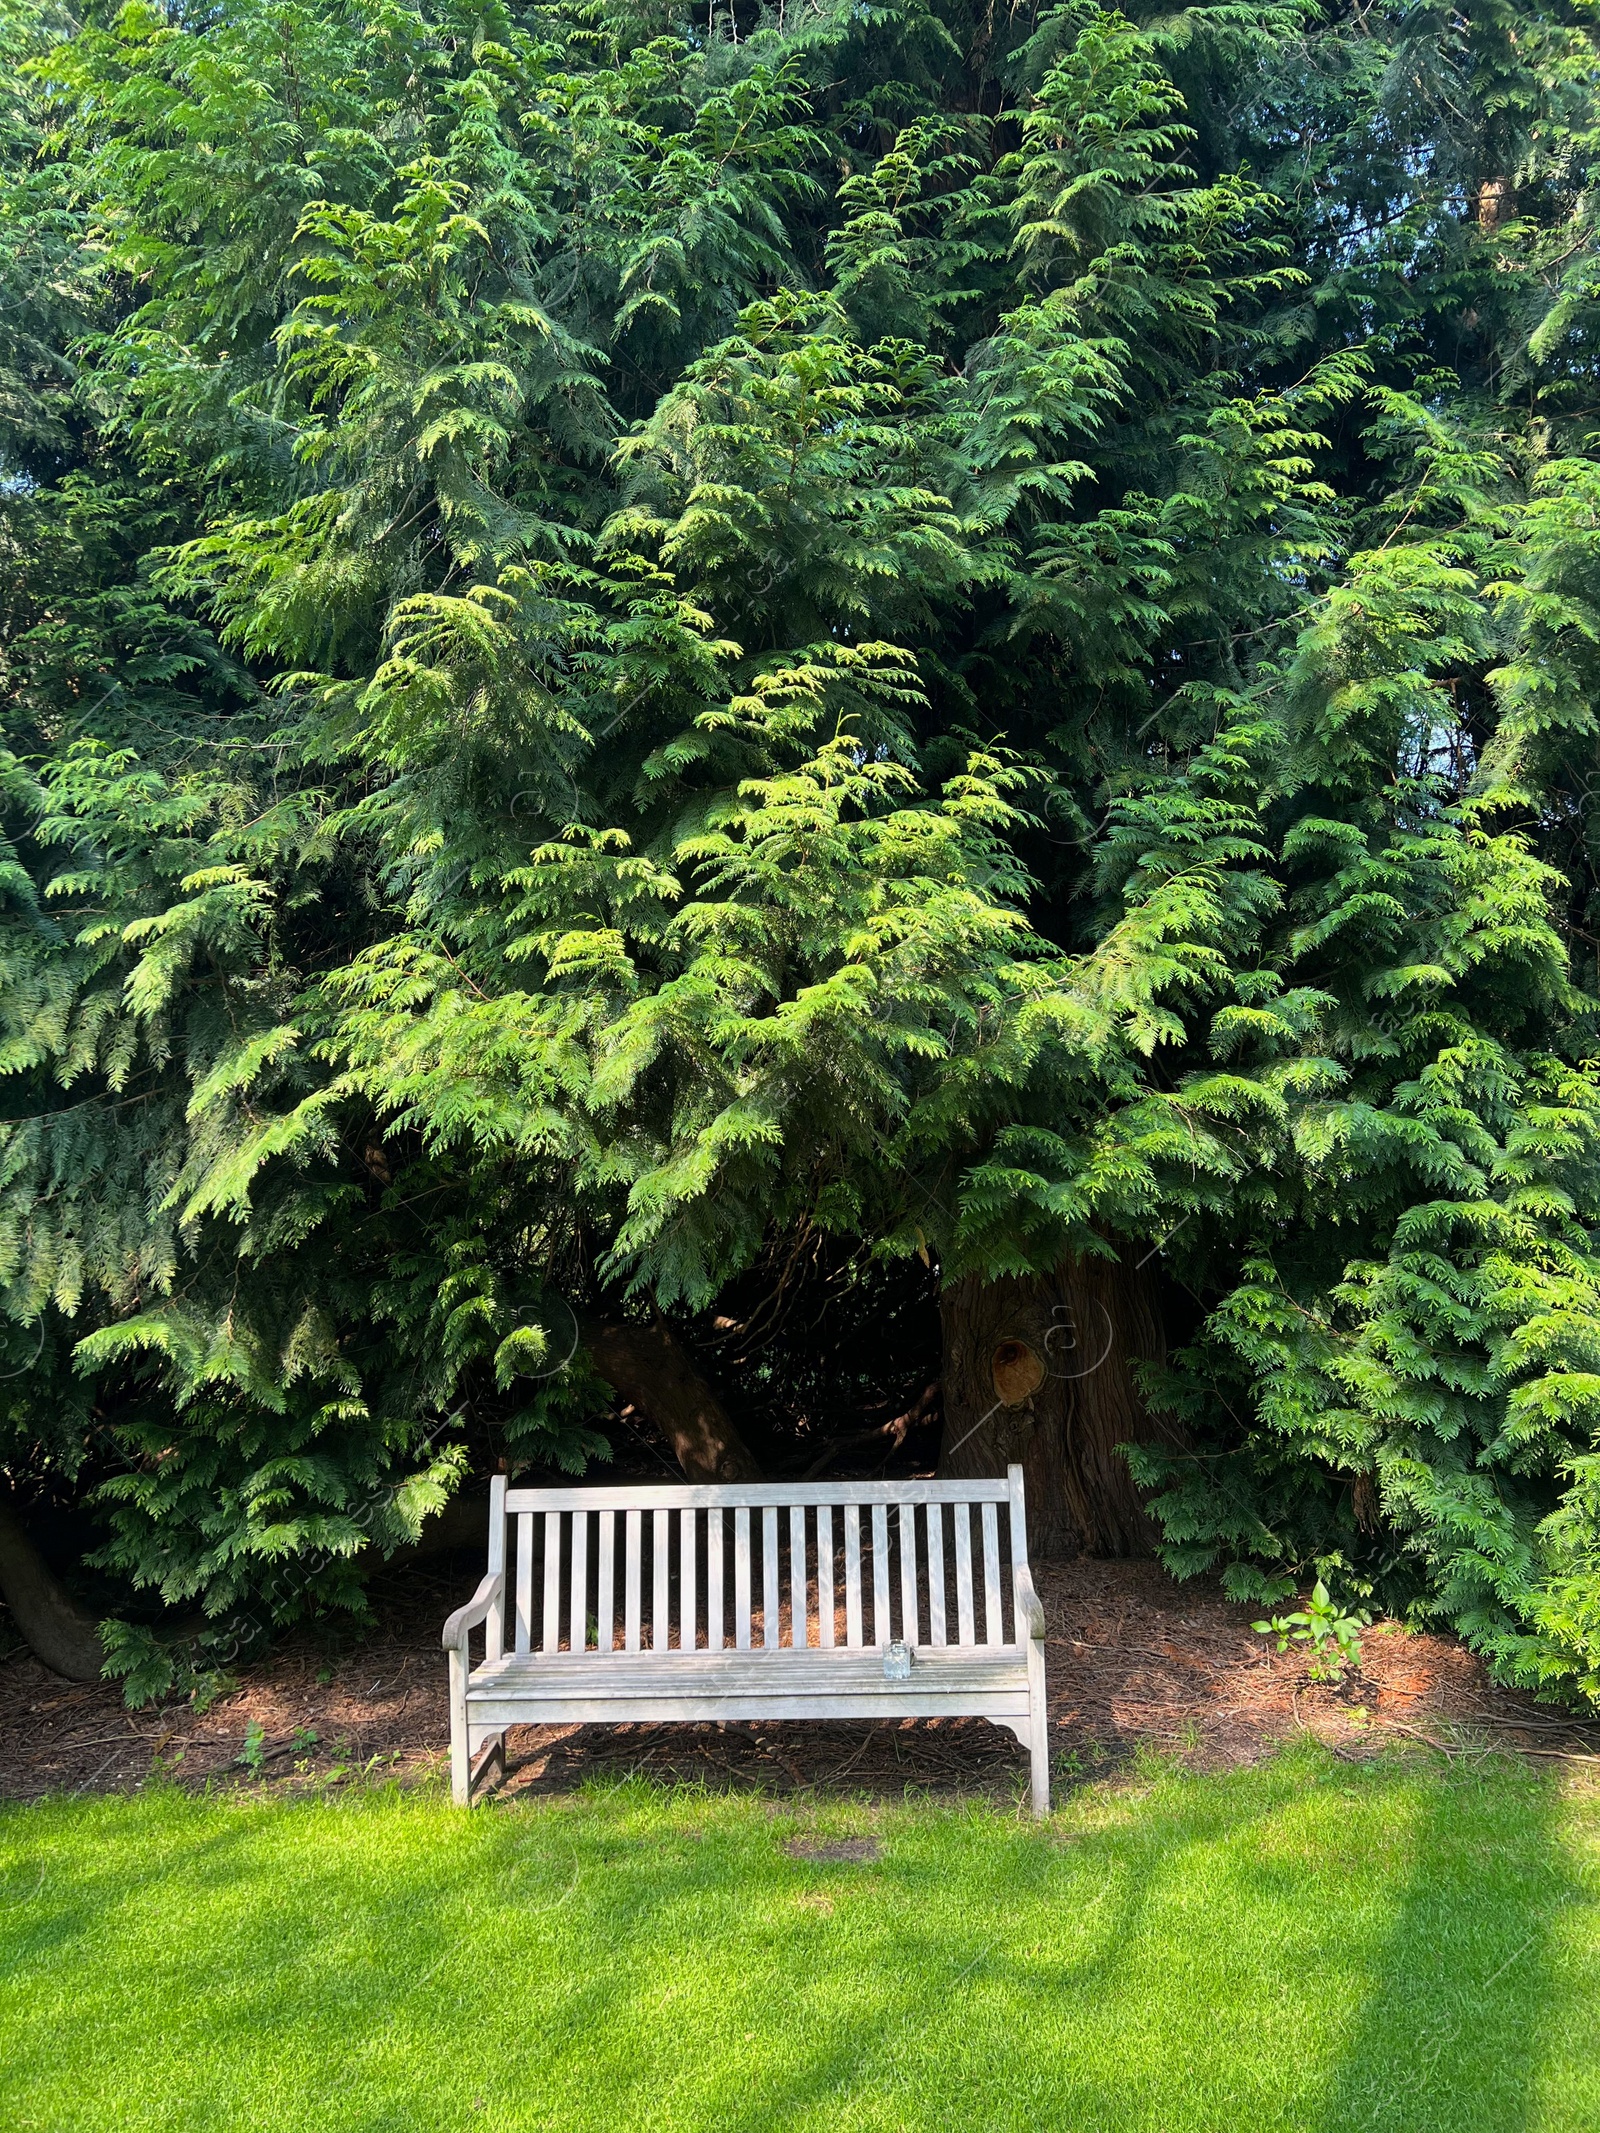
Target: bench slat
{"type": "Point", "coordinates": [755, 1495]}
{"type": "Point", "coordinates": [781, 1684]}
{"type": "Point", "coordinates": [799, 1628]}
{"type": "Point", "coordinates": [880, 1574]}
{"type": "Point", "coordinates": [631, 1575]}
{"type": "Point", "coordinates": [852, 1575]}
{"type": "Point", "coordinates": [716, 1582]}
{"type": "Point", "coordinates": [1004, 1703]}
{"type": "Point", "coordinates": [993, 1628]}
{"type": "Point", "coordinates": [524, 1637]}
{"type": "Point", "coordinates": [688, 1566]}
{"type": "Point", "coordinates": [788, 1672]}
{"type": "Point", "coordinates": [605, 1606]}
{"type": "Point", "coordinates": [578, 1617]}
{"type": "Point", "coordinates": [660, 1566]}
{"type": "Point", "coordinates": [770, 1620]}
{"type": "Point", "coordinates": [908, 1573]}
{"type": "Point", "coordinates": [825, 1625]}
{"type": "Point", "coordinates": [550, 1620]}
{"type": "Point", "coordinates": [936, 1629]}
{"type": "Point", "coordinates": [741, 1578]}
{"type": "Point", "coordinates": [965, 1632]}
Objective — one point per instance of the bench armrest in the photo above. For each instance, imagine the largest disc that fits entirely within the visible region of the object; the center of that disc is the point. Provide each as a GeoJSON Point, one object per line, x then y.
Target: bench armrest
{"type": "Point", "coordinates": [466, 1618]}
{"type": "Point", "coordinates": [1030, 1615]}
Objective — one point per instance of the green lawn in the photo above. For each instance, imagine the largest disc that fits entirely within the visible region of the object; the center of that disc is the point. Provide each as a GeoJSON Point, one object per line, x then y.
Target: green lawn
{"type": "Point", "coordinates": [1308, 1945]}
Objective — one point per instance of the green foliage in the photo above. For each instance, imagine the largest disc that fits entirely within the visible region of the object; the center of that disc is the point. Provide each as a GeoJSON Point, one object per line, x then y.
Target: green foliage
{"type": "Point", "coordinates": [1332, 1635]}
{"type": "Point", "coordinates": [253, 1754]}
{"type": "Point", "coordinates": [640, 647]}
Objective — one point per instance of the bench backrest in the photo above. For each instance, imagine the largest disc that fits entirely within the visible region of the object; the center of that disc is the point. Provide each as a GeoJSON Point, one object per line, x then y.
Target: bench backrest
{"type": "Point", "coordinates": [757, 1567]}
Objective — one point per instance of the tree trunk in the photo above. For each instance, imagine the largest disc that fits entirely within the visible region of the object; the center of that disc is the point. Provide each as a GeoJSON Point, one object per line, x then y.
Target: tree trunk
{"type": "Point", "coordinates": [56, 1628]}
{"type": "Point", "coordinates": [651, 1369]}
{"type": "Point", "coordinates": [1038, 1369]}
{"type": "Point", "coordinates": [1495, 203]}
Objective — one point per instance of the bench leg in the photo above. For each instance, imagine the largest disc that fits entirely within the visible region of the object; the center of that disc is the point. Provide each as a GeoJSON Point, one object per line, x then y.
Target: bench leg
{"type": "Point", "coordinates": [1041, 1770]}
{"type": "Point", "coordinates": [460, 1758]}
{"type": "Point", "coordinates": [1038, 1727]}
{"type": "Point", "coordinates": [493, 1751]}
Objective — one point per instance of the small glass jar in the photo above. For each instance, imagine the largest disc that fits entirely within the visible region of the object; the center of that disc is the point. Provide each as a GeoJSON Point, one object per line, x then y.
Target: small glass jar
{"type": "Point", "coordinates": [897, 1661]}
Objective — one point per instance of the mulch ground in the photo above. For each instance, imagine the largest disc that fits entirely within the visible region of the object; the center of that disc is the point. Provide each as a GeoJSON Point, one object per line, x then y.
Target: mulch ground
{"type": "Point", "coordinates": [1134, 1661]}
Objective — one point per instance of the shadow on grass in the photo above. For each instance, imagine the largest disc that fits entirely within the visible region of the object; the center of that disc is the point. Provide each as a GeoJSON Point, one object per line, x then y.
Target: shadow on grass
{"type": "Point", "coordinates": [1462, 2001]}
{"type": "Point", "coordinates": [1294, 1949]}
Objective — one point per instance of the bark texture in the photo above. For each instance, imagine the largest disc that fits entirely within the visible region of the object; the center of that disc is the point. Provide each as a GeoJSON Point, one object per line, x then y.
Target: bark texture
{"type": "Point", "coordinates": [1038, 1369]}
{"type": "Point", "coordinates": [652, 1370]}
{"type": "Point", "coordinates": [55, 1626]}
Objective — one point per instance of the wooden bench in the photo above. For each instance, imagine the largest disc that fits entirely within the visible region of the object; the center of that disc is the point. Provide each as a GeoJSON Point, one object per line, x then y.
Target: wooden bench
{"type": "Point", "coordinates": [776, 1601]}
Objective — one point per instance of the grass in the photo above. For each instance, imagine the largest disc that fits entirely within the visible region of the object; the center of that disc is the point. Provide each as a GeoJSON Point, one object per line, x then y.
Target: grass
{"type": "Point", "coordinates": [1309, 1945]}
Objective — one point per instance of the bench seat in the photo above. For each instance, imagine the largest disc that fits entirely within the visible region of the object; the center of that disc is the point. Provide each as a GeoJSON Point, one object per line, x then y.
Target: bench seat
{"type": "Point", "coordinates": [627, 1687]}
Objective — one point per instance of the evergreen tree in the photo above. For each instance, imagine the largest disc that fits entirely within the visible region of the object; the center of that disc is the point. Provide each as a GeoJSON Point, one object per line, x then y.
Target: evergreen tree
{"type": "Point", "coordinates": [656, 657]}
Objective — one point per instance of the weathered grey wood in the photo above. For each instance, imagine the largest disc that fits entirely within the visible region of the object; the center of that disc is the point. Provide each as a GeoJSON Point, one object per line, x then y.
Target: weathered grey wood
{"type": "Point", "coordinates": [852, 1574]}
{"type": "Point", "coordinates": [494, 1635]}
{"type": "Point", "coordinates": [880, 1575]}
{"type": "Point", "coordinates": [578, 1584]}
{"type": "Point", "coordinates": [661, 1564]}
{"type": "Point", "coordinates": [799, 1635]}
{"type": "Point", "coordinates": [741, 1578]}
{"type": "Point", "coordinates": [936, 1628]}
{"type": "Point", "coordinates": [615, 1705]}
{"type": "Point", "coordinates": [688, 1568]}
{"type": "Point", "coordinates": [550, 1621]}
{"type": "Point", "coordinates": [489, 1596]}
{"type": "Point", "coordinates": [605, 1599]}
{"type": "Point", "coordinates": [908, 1573]}
{"type": "Point", "coordinates": [492, 1758]}
{"type": "Point", "coordinates": [460, 1752]}
{"type": "Point", "coordinates": [755, 1495]}
{"type": "Point", "coordinates": [522, 1619]}
{"type": "Point", "coordinates": [1030, 1632]}
{"type": "Point", "coordinates": [770, 1621]}
{"type": "Point", "coordinates": [842, 1684]}
{"type": "Point", "coordinates": [993, 1628]}
{"type": "Point", "coordinates": [716, 1587]}
{"type": "Point", "coordinates": [787, 1668]}
{"type": "Point", "coordinates": [965, 1632]}
{"type": "Point", "coordinates": [825, 1625]}
{"type": "Point", "coordinates": [1019, 1560]}
{"type": "Point", "coordinates": [1029, 1612]}
{"type": "Point", "coordinates": [478, 1609]}
{"type": "Point", "coordinates": [1001, 1679]}
{"type": "Point", "coordinates": [631, 1573]}
{"type": "Point", "coordinates": [1038, 1740]}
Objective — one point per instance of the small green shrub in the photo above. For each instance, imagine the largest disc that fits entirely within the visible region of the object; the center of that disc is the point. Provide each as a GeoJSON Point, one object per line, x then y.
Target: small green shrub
{"type": "Point", "coordinates": [1333, 1636]}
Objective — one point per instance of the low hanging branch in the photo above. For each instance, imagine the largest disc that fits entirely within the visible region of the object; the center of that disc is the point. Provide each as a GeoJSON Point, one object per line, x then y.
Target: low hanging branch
{"type": "Point", "coordinates": [889, 1435]}
{"type": "Point", "coordinates": [651, 1370]}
